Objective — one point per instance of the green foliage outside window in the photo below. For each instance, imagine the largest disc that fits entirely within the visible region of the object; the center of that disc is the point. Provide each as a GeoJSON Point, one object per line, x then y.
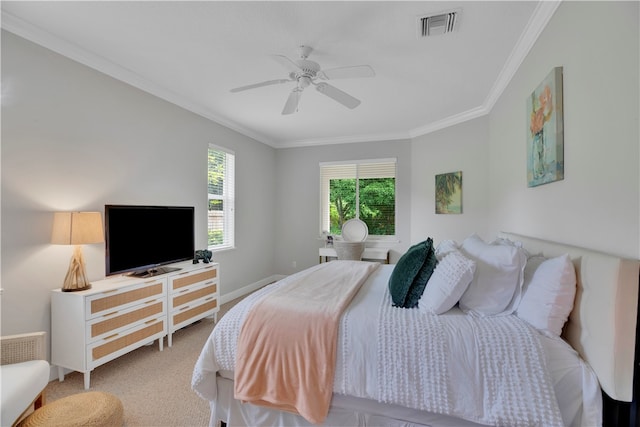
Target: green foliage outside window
{"type": "Point", "coordinates": [215, 237]}
{"type": "Point", "coordinates": [216, 171]}
{"type": "Point", "coordinates": [376, 204]}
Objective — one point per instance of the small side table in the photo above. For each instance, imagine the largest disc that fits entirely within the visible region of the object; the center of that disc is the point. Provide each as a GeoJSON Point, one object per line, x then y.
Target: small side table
{"type": "Point", "coordinates": [374, 254]}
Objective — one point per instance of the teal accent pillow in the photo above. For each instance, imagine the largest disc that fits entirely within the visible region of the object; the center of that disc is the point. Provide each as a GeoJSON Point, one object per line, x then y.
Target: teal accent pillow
{"type": "Point", "coordinates": [420, 282]}
{"type": "Point", "coordinates": [407, 268]}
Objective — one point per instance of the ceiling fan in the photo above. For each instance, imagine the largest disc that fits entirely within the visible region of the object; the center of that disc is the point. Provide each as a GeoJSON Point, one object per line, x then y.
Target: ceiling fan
{"type": "Point", "coordinates": [305, 73]}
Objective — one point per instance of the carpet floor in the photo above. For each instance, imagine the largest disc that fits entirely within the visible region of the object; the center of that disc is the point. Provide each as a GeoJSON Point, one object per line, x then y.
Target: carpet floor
{"type": "Point", "coordinates": [154, 386]}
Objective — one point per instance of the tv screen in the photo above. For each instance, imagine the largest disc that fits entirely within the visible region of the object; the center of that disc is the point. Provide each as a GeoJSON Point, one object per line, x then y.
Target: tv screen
{"type": "Point", "coordinates": [141, 239]}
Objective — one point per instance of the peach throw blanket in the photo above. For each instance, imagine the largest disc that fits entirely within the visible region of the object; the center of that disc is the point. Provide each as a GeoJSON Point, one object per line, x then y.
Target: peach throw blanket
{"type": "Point", "coordinates": [287, 346]}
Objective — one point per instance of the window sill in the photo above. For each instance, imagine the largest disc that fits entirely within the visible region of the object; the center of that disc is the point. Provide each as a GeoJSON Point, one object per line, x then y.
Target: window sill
{"type": "Point", "coordinates": [221, 248]}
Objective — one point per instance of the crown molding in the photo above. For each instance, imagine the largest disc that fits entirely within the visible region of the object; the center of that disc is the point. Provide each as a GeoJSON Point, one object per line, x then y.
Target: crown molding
{"type": "Point", "coordinates": [540, 18]}
{"type": "Point", "coordinates": [72, 51]}
{"type": "Point", "coordinates": [394, 136]}
{"type": "Point", "coordinates": [450, 121]}
{"type": "Point", "coordinates": [537, 23]}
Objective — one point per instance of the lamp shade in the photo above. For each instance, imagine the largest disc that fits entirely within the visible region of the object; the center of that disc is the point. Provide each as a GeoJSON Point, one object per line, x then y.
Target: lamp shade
{"type": "Point", "coordinates": [77, 228]}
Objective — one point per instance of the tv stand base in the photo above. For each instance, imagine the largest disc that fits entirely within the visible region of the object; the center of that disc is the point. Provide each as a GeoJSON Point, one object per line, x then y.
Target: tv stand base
{"type": "Point", "coordinates": [156, 271]}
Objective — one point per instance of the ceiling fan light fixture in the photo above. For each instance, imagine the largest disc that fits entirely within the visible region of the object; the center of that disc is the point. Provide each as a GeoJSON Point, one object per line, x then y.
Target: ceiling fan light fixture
{"type": "Point", "coordinates": [303, 81]}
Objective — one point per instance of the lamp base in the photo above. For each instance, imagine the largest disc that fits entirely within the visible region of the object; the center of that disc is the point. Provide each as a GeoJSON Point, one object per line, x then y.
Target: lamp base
{"type": "Point", "coordinates": [76, 289]}
{"type": "Point", "coordinates": [76, 278]}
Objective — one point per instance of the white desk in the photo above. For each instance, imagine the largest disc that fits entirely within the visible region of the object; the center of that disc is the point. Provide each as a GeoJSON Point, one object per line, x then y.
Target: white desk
{"type": "Point", "coordinates": [375, 254]}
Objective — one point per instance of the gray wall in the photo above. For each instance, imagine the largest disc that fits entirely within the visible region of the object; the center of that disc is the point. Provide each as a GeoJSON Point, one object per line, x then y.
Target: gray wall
{"type": "Point", "coordinates": [465, 148]}
{"type": "Point", "coordinates": [597, 204]}
{"type": "Point", "coordinates": [76, 139]}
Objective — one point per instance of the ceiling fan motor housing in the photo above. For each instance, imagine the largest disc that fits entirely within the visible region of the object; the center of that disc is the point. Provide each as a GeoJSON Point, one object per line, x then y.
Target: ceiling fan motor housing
{"type": "Point", "coordinates": [309, 68]}
{"type": "Point", "coordinates": [308, 72]}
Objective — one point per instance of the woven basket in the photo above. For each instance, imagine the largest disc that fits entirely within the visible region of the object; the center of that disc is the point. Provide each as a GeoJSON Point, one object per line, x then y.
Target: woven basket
{"type": "Point", "coordinates": [90, 409]}
{"type": "Point", "coordinates": [348, 250]}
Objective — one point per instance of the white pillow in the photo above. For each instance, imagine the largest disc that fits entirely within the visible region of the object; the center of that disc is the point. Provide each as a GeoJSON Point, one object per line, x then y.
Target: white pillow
{"type": "Point", "coordinates": [447, 283]}
{"type": "Point", "coordinates": [446, 247]}
{"type": "Point", "coordinates": [549, 293]}
{"type": "Point", "coordinates": [497, 283]}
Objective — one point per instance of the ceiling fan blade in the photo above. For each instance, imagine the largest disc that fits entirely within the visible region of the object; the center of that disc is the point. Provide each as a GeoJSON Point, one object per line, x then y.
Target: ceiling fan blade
{"type": "Point", "coordinates": [351, 72]}
{"type": "Point", "coordinates": [287, 63]}
{"type": "Point", "coordinates": [292, 102]}
{"type": "Point", "coordinates": [338, 95]}
{"type": "Point", "coordinates": [255, 85]}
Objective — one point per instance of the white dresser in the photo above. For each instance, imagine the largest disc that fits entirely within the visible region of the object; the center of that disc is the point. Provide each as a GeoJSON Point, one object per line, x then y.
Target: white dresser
{"type": "Point", "coordinates": [120, 314]}
{"type": "Point", "coordinates": [192, 296]}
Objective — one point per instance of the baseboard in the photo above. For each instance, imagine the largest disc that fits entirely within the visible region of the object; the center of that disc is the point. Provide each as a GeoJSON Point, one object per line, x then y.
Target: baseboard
{"type": "Point", "coordinates": [249, 288]}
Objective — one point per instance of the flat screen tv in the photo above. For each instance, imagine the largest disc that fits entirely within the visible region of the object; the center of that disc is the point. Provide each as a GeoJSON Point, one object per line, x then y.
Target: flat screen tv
{"type": "Point", "coordinates": [142, 240]}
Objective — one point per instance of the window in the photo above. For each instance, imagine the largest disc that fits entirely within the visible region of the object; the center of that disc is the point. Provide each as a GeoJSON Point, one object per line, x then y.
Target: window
{"type": "Point", "coordinates": [221, 173]}
{"type": "Point", "coordinates": [365, 189]}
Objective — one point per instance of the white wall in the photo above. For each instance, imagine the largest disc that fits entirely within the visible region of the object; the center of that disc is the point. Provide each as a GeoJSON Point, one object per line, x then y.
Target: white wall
{"type": "Point", "coordinates": [298, 195]}
{"type": "Point", "coordinates": [597, 203]}
{"type": "Point", "coordinates": [465, 148]}
{"type": "Point", "coordinates": [76, 139]}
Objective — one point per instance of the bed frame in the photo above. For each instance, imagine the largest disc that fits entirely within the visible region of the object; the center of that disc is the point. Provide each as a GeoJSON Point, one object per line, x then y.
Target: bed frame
{"type": "Point", "coordinates": [603, 324]}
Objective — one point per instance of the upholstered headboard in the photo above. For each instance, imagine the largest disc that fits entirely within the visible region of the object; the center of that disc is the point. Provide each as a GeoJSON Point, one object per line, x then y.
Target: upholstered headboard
{"type": "Point", "coordinates": [602, 325]}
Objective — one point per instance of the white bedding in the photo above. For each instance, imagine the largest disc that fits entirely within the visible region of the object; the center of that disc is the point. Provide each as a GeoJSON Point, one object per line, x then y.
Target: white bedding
{"type": "Point", "coordinates": [363, 372]}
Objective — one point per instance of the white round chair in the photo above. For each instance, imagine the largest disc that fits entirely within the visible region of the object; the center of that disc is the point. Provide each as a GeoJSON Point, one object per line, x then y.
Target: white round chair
{"type": "Point", "coordinates": [351, 246]}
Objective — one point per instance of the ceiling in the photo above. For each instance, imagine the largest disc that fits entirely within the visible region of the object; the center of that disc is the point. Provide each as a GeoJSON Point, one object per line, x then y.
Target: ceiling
{"type": "Point", "coordinates": [193, 53]}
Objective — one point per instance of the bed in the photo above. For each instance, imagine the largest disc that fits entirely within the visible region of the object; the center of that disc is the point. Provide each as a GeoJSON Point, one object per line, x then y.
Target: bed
{"type": "Point", "coordinates": [546, 380]}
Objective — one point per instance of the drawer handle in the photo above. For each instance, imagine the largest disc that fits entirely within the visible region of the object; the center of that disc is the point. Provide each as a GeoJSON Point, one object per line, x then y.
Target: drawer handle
{"type": "Point", "coordinates": [110, 336]}
{"type": "Point", "coordinates": [183, 291]}
{"type": "Point", "coordinates": [184, 308]}
{"type": "Point", "coordinates": [149, 302]}
{"type": "Point", "coordinates": [209, 299]}
{"type": "Point", "coordinates": [110, 292]}
{"type": "Point", "coordinates": [110, 314]}
{"type": "Point", "coordinates": [150, 321]}
{"type": "Point", "coordinates": [210, 282]}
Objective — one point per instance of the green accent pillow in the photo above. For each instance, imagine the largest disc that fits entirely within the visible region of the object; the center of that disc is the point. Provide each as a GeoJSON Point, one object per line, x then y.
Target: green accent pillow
{"type": "Point", "coordinates": [406, 270]}
{"type": "Point", "coordinates": [420, 282]}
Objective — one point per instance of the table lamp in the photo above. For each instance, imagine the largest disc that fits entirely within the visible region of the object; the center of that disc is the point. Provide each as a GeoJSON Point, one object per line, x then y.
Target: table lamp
{"type": "Point", "coordinates": [76, 228]}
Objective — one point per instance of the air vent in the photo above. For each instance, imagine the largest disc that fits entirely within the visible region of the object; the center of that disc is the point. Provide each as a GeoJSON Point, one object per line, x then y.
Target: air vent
{"type": "Point", "coordinates": [441, 23]}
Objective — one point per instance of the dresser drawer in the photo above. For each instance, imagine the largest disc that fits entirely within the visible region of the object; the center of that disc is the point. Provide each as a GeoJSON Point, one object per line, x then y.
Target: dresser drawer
{"type": "Point", "coordinates": [119, 320]}
{"type": "Point", "coordinates": [105, 302]}
{"type": "Point", "coordinates": [186, 279]}
{"type": "Point", "coordinates": [192, 312]}
{"type": "Point", "coordinates": [191, 294]}
{"type": "Point", "coordinates": [118, 344]}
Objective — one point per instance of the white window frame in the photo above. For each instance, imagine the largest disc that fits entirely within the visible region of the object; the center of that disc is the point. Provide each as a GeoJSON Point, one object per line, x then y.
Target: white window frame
{"type": "Point", "coordinates": [228, 200]}
{"type": "Point", "coordinates": [324, 195]}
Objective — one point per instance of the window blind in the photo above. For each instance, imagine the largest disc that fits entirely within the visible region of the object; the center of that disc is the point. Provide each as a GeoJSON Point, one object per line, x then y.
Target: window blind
{"type": "Point", "coordinates": [379, 205]}
{"type": "Point", "coordinates": [221, 197]}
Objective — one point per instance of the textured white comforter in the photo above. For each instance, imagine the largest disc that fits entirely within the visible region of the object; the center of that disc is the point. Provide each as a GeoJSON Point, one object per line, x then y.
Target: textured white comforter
{"type": "Point", "coordinates": [486, 370]}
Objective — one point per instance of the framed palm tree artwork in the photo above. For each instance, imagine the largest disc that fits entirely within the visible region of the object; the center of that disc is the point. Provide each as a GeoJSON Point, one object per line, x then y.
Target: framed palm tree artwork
{"type": "Point", "coordinates": [449, 193]}
{"type": "Point", "coordinates": [545, 133]}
